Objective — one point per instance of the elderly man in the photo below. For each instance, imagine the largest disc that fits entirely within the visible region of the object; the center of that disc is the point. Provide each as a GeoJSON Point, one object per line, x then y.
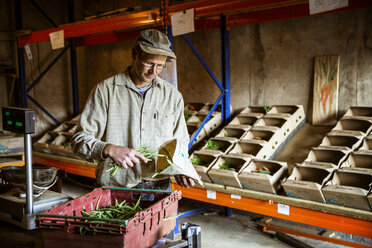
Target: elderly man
{"type": "Point", "coordinates": [132, 109]}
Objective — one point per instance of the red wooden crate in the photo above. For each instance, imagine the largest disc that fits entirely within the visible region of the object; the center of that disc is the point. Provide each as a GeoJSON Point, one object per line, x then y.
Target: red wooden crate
{"type": "Point", "coordinates": [60, 225]}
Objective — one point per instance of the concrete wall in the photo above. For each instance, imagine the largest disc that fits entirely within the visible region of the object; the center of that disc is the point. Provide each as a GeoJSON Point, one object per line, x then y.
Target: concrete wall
{"type": "Point", "coordinates": [271, 63]}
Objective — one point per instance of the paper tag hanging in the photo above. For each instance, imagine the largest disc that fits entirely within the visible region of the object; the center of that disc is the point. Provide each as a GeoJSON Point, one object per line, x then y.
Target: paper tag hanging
{"type": "Point", "coordinates": [57, 39]}
{"type": "Point", "coordinates": [319, 6]}
{"type": "Point", "coordinates": [183, 22]}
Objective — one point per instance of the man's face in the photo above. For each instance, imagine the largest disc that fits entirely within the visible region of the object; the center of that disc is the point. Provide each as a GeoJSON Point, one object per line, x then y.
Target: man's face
{"type": "Point", "coordinates": [148, 66]}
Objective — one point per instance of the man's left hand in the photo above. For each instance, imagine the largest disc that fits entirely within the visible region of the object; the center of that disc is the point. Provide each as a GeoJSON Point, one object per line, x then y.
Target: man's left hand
{"type": "Point", "coordinates": [184, 181]}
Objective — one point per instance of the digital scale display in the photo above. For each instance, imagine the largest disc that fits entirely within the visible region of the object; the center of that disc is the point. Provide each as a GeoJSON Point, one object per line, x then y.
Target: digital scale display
{"type": "Point", "coordinates": [18, 120]}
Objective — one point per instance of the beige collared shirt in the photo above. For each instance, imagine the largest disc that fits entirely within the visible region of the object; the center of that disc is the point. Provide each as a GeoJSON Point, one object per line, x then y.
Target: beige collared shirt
{"type": "Point", "coordinates": [116, 113]}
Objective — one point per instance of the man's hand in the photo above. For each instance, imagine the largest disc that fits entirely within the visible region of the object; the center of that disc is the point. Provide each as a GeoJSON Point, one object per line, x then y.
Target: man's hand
{"type": "Point", "coordinates": [124, 156]}
{"type": "Point", "coordinates": [184, 181]}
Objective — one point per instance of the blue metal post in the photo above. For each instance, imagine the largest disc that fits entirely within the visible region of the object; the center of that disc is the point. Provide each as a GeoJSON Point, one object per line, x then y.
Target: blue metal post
{"type": "Point", "coordinates": [225, 65]}
{"type": "Point", "coordinates": [73, 64]}
{"type": "Point", "coordinates": [21, 56]}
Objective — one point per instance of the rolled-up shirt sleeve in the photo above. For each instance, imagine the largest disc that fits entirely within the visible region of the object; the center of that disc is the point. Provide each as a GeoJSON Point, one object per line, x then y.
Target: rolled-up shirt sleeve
{"type": "Point", "coordinates": [87, 139]}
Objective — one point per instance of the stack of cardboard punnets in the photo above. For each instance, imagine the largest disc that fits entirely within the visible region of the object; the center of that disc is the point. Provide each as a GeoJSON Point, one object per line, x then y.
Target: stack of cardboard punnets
{"type": "Point", "coordinates": [195, 114]}
{"type": "Point", "coordinates": [339, 170]}
{"type": "Point", "coordinates": [57, 141]}
{"type": "Point", "coordinates": [238, 156]}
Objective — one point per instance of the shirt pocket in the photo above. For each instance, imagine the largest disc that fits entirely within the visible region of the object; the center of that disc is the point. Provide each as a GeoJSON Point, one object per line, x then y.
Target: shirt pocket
{"type": "Point", "coordinates": [164, 123]}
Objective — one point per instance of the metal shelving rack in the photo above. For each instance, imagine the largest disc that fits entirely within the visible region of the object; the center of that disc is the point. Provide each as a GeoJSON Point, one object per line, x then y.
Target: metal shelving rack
{"type": "Point", "coordinates": [209, 14]}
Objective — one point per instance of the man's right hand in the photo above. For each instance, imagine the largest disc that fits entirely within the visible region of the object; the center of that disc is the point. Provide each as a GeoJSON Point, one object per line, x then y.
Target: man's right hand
{"type": "Point", "coordinates": [124, 156]}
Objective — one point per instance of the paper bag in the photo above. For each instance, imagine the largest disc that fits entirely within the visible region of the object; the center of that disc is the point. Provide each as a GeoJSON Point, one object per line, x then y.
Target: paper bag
{"type": "Point", "coordinates": [174, 162]}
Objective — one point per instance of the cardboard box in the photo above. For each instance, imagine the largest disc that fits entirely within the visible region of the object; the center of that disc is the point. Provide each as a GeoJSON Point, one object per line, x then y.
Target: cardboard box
{"type": "Point", "coordinates": [232, 133]}
{"type": "Point", "coordinates": [285, 111]}
{"type": "Point", "coordinates": [224, 145]}
{"type": "Point", "coordinates": [306, 182]}
{"type": "Point", "coordinates": [363, 113]}
{"type": "Point", "coordinates": [11, 143]}
{"type": "Point", "coordinates": [342, 142]}
{"type": "Point", "coordinates": [202, 160]}
{"type": "Point", "coordinates": [258, 134]}
{"type": "Point", "coordinates": [248, 148]}
{"type": "Point", "coordinates": [277, 122]}
{"type": "Point", "coordinates": [366, 145]}
{"type": "Point", "coordinates": [251, 178]}
{"type": "Point", "coordinates": [244, 121]}
{"type": "Point", "coordinates": [65, 128]}
{"type": "Point", "coordinates": [349, 189]}
{"type": "Point", "coordinates": [353, 126]}
{"type": "Point", "coordinates": [328, 158]}
{"type": "Point", "coordinates": [358, 161]}
{"type": "Point", "coordinates": [255, 110]}
{"type": "Point", "coordinates": [42, 145]}
{"type": "Point", "coordinates": [194, 106]}
{"type": "Point", "coordinates": [227, 177]}
{"type": "Point", "coordinates": [192, 128]}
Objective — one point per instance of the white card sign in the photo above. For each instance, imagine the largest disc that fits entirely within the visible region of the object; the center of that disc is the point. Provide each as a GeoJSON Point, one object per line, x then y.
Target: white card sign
{"type": "Point", "coordinates": [319, 6]}
{"type": "Point", "coordinates": [211, 194]}
{"type": "Point", "coordinates": [183, 22]}
{"type": "Point", "coordinates": [57, 39]}
{"type": "Point", "coordinates": [283, 209]}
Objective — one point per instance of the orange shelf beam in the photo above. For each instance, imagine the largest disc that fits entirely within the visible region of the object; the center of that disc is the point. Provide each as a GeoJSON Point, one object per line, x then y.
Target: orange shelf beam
{"type": "Point", "coordinates": [301, 215]}
{"type": "Point", "coordinates": [77, 169]}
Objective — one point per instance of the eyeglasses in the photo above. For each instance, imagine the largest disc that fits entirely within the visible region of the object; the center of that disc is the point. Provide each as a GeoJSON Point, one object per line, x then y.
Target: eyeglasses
{"type": "Point", "coordinates": [152, 65]}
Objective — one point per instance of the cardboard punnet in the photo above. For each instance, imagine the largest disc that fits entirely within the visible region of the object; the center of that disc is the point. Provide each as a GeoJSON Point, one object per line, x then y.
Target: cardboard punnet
{"type": "Point", "coordinates": [349, 189]}
{"type": "Point", "coordinates": [244, 121]}
{"type": "Point", "coordinates": [251, 178]}
{"type": "Point", "coordinates": [326, 157]}
{"type": "Point", "coordinates": [232, 133]}
{"type": "Point", "coordinates": [42, 145]}
{"type": "Point", "coordinates": [228, 177]}
{"type": "Point", "coordinates": [366, 145]}
{"type": "Point", "coordinates": [249, 148]}
{"type": "Point", "coordinates": [255, 110]}
{"type": "Point", "coordinates": [306, 181]}
{"type": "Point", "coordinates": [202, 160]}
{"type": "Point", "coordinates": [258, 134]}
{"type": "Point", "coordinates": [363, 113]}
{"type": "Point", "coordinates": [277, 122]}
{"type": "Point", "coordinates": [358, 161]}
{"type": "Point", "coordinates": [194, 106]}
{"type": "Point", "coordinates": [224, 146]}
{"type": "Point", "coordinates": [353, 126]}
{"type": "Point", "coordinates": [342, 142]}
{"type": "Point", "coordinates": [293, 112]}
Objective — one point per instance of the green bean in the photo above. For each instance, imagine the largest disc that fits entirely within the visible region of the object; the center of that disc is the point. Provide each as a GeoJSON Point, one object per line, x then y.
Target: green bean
{"type": "Point", "coordinates": [144, 150]}
{"type": "Point", "coordinates": [122, 211]}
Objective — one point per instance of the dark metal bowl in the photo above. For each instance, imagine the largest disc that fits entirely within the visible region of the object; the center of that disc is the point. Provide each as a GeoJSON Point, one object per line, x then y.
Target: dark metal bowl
{"type": "Point", "coordinates": [42, 176]}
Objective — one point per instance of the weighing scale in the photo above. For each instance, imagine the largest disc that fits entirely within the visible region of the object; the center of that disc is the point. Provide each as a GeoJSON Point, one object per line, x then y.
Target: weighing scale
{"type": "Point", "coordinates": [19, 207]}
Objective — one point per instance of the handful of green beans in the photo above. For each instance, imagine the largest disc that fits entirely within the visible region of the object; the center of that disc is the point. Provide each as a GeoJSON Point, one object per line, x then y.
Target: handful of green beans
{"type": "Point", "coordinates": [142, 149]}
{"type": "Point", "coordinates": [121, 211]}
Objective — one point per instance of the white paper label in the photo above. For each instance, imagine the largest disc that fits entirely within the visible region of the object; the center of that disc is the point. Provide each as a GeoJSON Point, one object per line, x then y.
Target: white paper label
{"type": "Point", "coordinates": [28, 52]}
{"type": "Point", "coordinates": [235, 196]}
{"type": "Point", "coordinates": [283, 209]}
{"type": "Point", "coordinates": [57, 39]}
{"type": "Point", "coordinates": [211, 194]}
{"type": "Point", "coordinates": [183, 22]}
{"type": "Point", "coordinates": [319, 6]}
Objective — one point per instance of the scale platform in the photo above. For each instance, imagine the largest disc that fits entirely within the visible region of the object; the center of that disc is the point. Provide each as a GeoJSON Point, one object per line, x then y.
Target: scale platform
{"type": "Point", "coordinates": [12, 207]}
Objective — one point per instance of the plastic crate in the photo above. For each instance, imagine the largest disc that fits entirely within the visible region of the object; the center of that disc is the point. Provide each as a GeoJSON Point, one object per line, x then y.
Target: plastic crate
{"type": "Point", "coordinates": [60, 225]}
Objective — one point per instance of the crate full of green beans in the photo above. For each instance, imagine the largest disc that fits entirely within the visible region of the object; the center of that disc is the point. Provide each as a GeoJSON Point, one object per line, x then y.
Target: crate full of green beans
{"type": "Point", "coordinates": [110, 217]}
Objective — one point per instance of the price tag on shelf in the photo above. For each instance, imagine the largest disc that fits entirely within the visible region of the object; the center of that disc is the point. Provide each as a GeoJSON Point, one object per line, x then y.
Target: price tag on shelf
{"type": "Point", "coordinates": [211, 194]}
{"type": "Point", "coordinates": [236, 197]}
{"type": "Point", "coordinates": [283, 209]}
